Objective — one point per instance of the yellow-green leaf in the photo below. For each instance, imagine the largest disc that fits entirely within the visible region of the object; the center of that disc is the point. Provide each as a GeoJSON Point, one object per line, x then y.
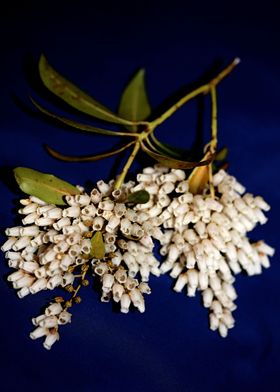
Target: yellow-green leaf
{"type": "Point", "coordinates": [139, 197]}
{"type": "Point", "coordinates": [199, 177]}
{"type": "Point", "coordinates": [134, 104]}
{"type": "Point", "coordinates": [46, 187]}
{"type": "Point", "coordinates": [97, 246]}
{"type": "Point", "coordinates": [74, 96]}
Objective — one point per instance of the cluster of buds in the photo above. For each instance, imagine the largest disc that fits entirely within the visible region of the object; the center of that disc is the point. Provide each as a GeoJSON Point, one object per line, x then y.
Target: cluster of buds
{"type": "Point", "coordinates": [47, 324]}
{"type": "Point", "coordinates": [116, 283]}
{"type": "Point", "coordinates": [205, 240]}
{"type": "Point", "coordinates": [53, 241]}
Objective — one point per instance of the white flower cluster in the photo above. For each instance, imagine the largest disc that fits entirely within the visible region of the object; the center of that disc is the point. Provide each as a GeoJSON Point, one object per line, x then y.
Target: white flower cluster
{"type": "Point", "coordinates": [53, 241]}
{"type": "Point", "coordinates": [205, 241]}
{"type": "Point", "coordinates": [47, 324]}
{"type": "Point", "coordinates": [123, 288]}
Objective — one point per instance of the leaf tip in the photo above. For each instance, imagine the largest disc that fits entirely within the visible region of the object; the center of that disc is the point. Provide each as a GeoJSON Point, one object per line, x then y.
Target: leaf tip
{"type": "Point", "coordinates": [42, 61]}
{"type": "Point", "coordinates": [15, 171]}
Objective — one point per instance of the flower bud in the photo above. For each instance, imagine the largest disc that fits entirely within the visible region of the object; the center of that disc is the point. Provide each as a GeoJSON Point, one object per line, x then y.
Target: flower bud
{"type": "Point", "coordinates": [13, 231]}
{"type": "Point", "coordinates": [31, 218]}
{"type": "Point", "coordinates": [67, 279]}
{"type": "Point", "coordinates": [31, 231]}
{"type": "Point", "coordinates": [259, 201]}
{"type": "Point", "coordinates": [51, 338]}
{"type": "Point", "coordinates": [82, 200]}
{"type": "Point", "coordinates": [101, 269]}
{"type": "Point", "coordinates": [54, 309]}
{"type": "Point", "coordinates": [21, 243]}
{"type": "Point", "coordinates": [8, 244]}
{"type": "Point", "coordinates": [223, 330]}
{"type": "Point", "coordinates": [48, 322]}
{"type": "Point", "coordinates": [214, 322]}
{"type": "Point", "coordinates": [262, 247]}
{"type": "Point", "coordinates": [98, 222]}
{"type": "Point", "coordinates": [136, 297]}
{"type": "Point", "coordinates": [203, 280]}
{"type": "Point", "coordinates": [103, 187]}
{"type": "Point", "coordinates": [38, 333]}
{"type": "Point", "coordinates": [63, 222]}
{"type": "Point", "coordinates": [181, 282]}
{"type": "Point", "coordinates": [130, 283]}
{"type": "Point", "coordinates": [64, 318]}
{"type": "Point", "coordinates": [39, 285]}
{"type": "Point", "coordinates": [121, 276]}
{"type": "Point", "coordinates": [23, 292]}
{"type": "Point", "coordinates": [107, 282]}
{"type": "Point", "coordinates": [207, 296]}
{"type": "Point", "coordinates": [118, 291]}
{"type": "Point", "coordinates": [144, 272]}
{"type": "Point", "coordinates": [54, 281]}
{"type": "Point", "coordinates": [125, 303]}
{"type": "Point", "coordinates": [144, 288]}
{"type": "Point", "coordinates": [95, 196]}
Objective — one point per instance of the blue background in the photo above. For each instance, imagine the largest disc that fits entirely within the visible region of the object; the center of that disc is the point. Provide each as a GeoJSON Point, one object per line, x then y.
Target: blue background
{"type": "Point", "coordinates": [170, 347]}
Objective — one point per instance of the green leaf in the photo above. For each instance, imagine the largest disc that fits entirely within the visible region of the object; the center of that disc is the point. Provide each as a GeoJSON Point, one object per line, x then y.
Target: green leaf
{"type": "Point", "coordinates": [74, 124]}
{"type": "Point", "coordinates": [46, 187]}
{"type": "Point", "coordinates": [221, 154]}
{"type": "Point", "coordinates": [167, 149]}
{"type": "Point", "coordinates": [88, 158]}
{"type": "Point", "coordinates": [75, 97]}
{"type": "Point", "coordinates": [139, 197]}
{"type": "Point", "coordinates": [134, 104]}
{"type": "Point", "coordinates": [97, 246]}
{"type": "Point", "coordinates": [172, 162]}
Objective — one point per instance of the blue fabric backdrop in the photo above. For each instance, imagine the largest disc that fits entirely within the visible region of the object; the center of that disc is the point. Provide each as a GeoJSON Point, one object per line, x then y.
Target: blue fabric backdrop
{"type": "Point", "coordinates": [99, 46]}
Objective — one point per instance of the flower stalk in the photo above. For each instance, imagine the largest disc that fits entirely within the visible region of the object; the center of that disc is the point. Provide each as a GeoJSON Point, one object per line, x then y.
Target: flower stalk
{"type": "Point", "coordinates": [214, 137]}
{"type": "Point", "coordinates": [200, 90]}
{"type": "Point", "coordinates": [128, 164]}
{"type": "Point", "coordinates": [83, 282]}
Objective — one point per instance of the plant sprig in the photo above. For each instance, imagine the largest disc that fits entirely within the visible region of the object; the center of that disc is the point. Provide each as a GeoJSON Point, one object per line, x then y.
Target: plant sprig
{"type": "Point", "coordinates": [134, 110]}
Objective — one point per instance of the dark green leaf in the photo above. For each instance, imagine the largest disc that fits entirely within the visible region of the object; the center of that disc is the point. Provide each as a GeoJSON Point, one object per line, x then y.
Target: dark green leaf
{"type": "Point", "coordinates": [167, 149]}
{"type": "Point", "coordinates": [46, 187]}
{"type": "Point", "coordinates": [88, 158]}
{"type": "Point", "coordinates": [171, 162]}
{"type": "Point", "coordinates": [139, 197]}
{"type": "Point", "coordinates": [134, 104]}
{"type": "Point", "coordinates": [74, 124]}
{"type": "Point", "coordinates": [97, 246]}
{"type": "Point", "coordinates": [75, 97]}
